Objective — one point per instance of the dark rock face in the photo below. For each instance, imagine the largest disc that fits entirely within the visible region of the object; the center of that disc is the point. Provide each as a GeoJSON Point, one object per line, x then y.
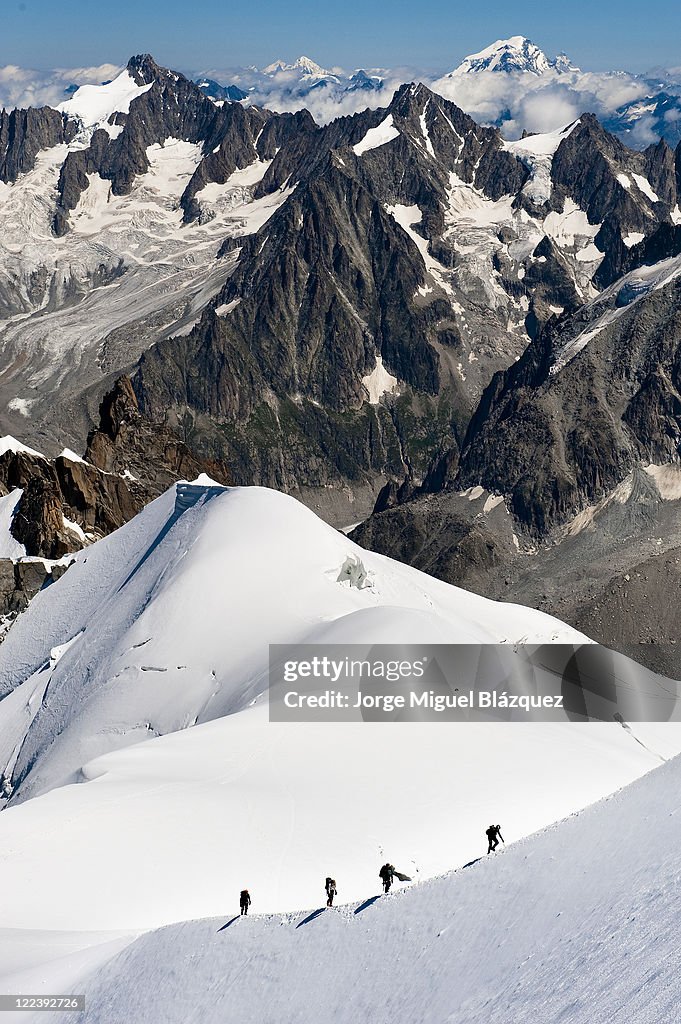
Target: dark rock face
{"type": "Point", "coordinates": [98, 503]}
{"type": "Point", "coordinates": [637, 613]}
{"type": "Point", "coordinates": [439, 535]}
{"type": "Point", "coordinates": [615, 575]}
{"type": "Point", "coordinates": [23, 133]}
{"type": "Point", "coordinates": [245, 134]}
{"type": "Point", "coordinates": [664, 243]}
{"type": "Point", "coordinates": [549, 280]}
{"type": "Point", "coordinates": [312, 312]}
{"type": "Point", "coordinates": [556, 442]}
{"type": "Point", "coordinates": [328, 284]}
{"type": "Point", "coordinates": [597, 171]}
{"type": "Point", "coordinates": [147, 453]}
{"type": "Point", "coordinates": [39, 522]}
{"type": "Point", "coordinates": [276, 386]}
{"type": "Point", "coordinates": [214, 91]}
{"type": "Point", "coordinates": [129, 461]}
{"type": "Point", "coordinates": [20, 582]}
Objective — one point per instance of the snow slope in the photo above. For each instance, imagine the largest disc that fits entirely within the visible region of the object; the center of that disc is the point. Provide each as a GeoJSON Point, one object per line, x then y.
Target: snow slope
{"type": "Point", "coordinates": [578, 924]}
{"type": "Point", "coordinates": [92, 105]}
{"type": "Point", "coordinates": [10, 444]}
{"type": "Point", "coordinates": [168, 621]}
{"type": "Point", "coordinates": [135, 720]}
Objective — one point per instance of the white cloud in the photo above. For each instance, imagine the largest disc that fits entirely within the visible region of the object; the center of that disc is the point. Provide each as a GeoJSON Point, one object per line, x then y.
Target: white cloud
{"type": "Point", "coordinates": [539, 103]}
{"type": "Point", "coordinates": [548, 110]}
{"type": "Point", "coordinates": [643, 133]}
{"type": "Point", "coordinates": [326, 104]}
{"type": "Point", "coordinates": [286, 90]}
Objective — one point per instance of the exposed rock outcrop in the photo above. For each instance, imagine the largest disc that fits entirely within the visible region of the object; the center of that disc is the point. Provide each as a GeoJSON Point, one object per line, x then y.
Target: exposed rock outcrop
{"type": "Point", "coordinates": [20, 582]}
{"type": "Point", "coordinates": [143, 455]}
{"type": "Point", "coordinates": [23, 133]}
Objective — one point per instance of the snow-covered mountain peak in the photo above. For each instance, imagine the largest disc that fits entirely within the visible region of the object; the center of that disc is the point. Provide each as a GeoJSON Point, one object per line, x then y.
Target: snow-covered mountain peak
{"type": "Point", "coordinates": [310, 66]}
{"type": "Point", "coordinates": [210, 557]}
{"type": "Point", "coordinates": [516, 54]}
{"type": "Point", "coordinates": [563, 63]}
{"type": "Point", "coordinates": [302, 63]}
{"type": "Point", "coordinates": [276, 65]}
{"type": "Point", "coordinates": [94, 104]}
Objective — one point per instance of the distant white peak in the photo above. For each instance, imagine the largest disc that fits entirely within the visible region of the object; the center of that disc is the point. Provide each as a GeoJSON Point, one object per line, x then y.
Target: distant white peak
{"type": "Point", "coordinates": [308, 65]}
{"type": "Point", "coordinates": [10, 444]}
{"type": "Point", "coordinates": [301, 64]}
{"type": "Point", "coordinates": [563, 63]}
{"type": "Point", "coordinates": [515, 54]}
{"type": "Point", "coordinates": [276, 65]}
{"type": "Point", "coordinates": [94, 104]}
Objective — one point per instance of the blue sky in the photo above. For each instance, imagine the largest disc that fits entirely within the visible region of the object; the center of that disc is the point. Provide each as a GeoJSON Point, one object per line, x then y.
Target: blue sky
{"type": "Point", "coordinates": [597, 34]}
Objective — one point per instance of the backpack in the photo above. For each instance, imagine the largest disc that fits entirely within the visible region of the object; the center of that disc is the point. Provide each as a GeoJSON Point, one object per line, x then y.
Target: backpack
{"type": "Point", "coordinates": [244, 896]}
{"type": "Point", "coordinates": [491, 832]}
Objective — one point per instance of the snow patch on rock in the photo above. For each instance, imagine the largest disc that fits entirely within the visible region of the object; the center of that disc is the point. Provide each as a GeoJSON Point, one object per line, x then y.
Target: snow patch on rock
{"type": "Point", "coordinates": [407, 217]}
{"type": "Point", "coordinates": [379, 136]}
{"type": "Point", "coordinates": [645, 187]}
{"type": "Point", "coordinates": [379, 382]}
{"type": "Point", "coordinates": [20, 405]}
{"type": "Point", "coordinates": [10, 444]}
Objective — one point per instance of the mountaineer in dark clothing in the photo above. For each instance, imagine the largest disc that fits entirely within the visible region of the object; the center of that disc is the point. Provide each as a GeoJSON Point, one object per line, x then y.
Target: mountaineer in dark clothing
{"type": "Point", "coordinates": [493, 834]}
{"type": "Point", "coordinates": [386, 874]}
{"type": "Point", "coordinates": [331, 891]}
{"type": "Point", "coordinates": [244, 902]}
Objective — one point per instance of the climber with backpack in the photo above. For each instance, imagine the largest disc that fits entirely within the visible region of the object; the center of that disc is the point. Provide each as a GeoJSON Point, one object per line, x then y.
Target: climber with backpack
{"type": "Point", "coordinates": [331, 891]}
{"type": "Point", "coordinates": [386, 874]}
{"type": "Point", "coordinates": [244, 902]}
{"type": "Point", "coordinates": [493, 834]}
